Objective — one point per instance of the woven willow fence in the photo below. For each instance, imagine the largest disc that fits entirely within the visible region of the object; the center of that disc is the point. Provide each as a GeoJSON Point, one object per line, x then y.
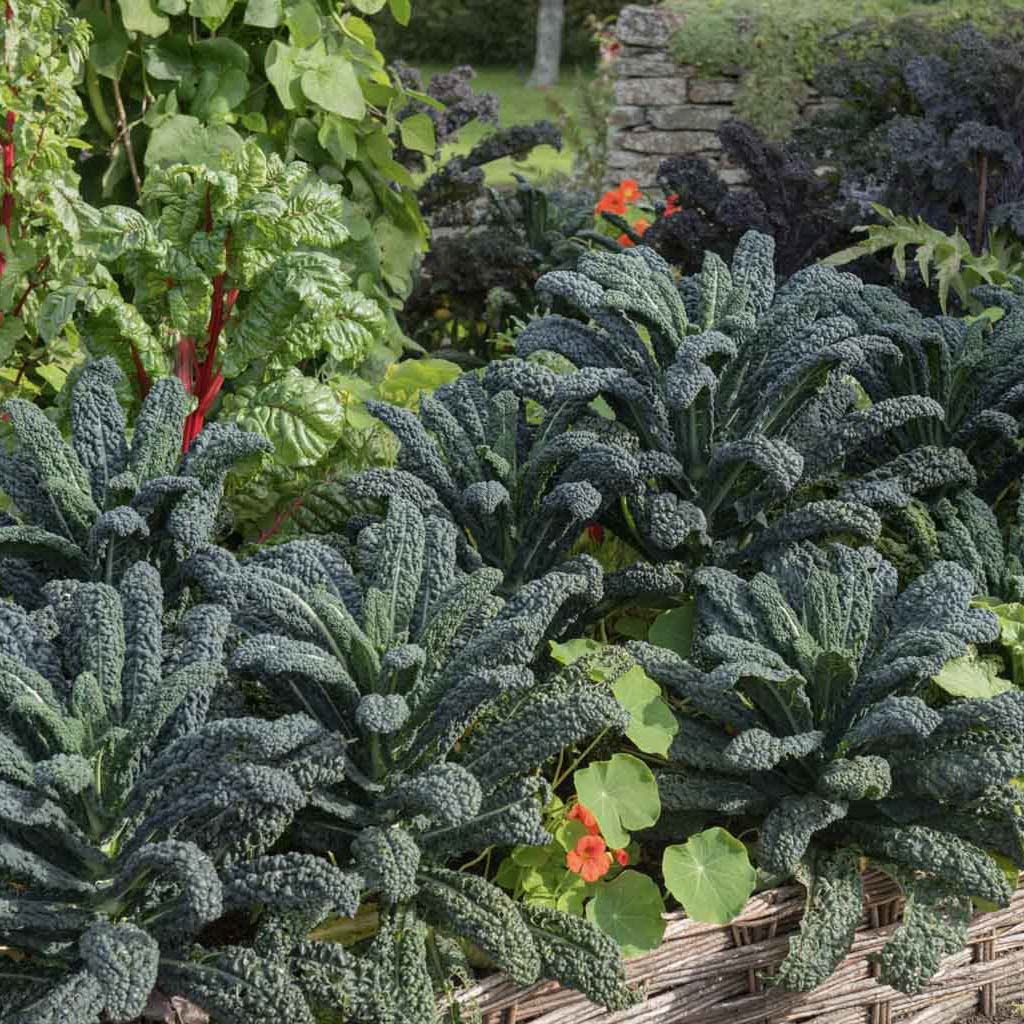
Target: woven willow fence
{"type": "Point", "coordinates": [708, 974]}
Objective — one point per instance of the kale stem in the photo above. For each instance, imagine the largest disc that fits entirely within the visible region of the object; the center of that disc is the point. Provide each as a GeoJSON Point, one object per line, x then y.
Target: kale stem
{"type": "Point", "coordinates": [721, 492]}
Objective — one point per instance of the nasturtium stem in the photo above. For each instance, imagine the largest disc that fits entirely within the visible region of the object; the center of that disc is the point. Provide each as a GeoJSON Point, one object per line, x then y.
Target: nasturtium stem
{"type": "Point", "coordinates": [568, 771]}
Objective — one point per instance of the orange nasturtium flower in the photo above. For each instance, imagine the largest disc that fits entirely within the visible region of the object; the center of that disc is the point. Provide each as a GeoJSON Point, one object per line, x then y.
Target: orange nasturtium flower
{"type": "Point", "coordinates": [629, 190]}
{"type": "Point", "coordinates": [672, 205]}
{"type": "Point", "coordinates": [590, 859]}
{"type": "Point", "coordinates": [639, 226]}
{"type": "Point", "coordinates": [585, 818]}
{"type": "Point", "coordinates": [621, 856]}
{"type": "Point", "coordinates": [611, 202]}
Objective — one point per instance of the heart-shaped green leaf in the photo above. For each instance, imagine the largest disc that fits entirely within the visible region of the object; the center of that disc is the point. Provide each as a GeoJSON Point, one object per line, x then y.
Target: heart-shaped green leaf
{"type": "Point", "coordinates": [330, 82]}
{"type": "Point", "coordinates": [418, 134]}
{"type": "Point", "coordinates": [304, 24]}
{"type": "Point", "coordinates": [143, 16]}
{"type": "Point", "coordinates": [401, 10]}
{"type": "Point", "coordinates": [182, 138]}
{"type": "Point", "coordinates": [264, 13]}
{"type": "Point", "coordinates": [281, 65]}
{"type": "Point", "coordinates": [710, 874]}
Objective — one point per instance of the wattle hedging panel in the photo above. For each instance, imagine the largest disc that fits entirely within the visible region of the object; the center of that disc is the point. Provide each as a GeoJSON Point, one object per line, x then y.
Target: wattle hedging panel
{"type": "Point", "coordinates": [709, 973]}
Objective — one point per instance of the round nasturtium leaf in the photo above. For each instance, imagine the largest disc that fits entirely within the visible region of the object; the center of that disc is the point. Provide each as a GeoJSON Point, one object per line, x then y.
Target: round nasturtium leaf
{"type": "Point", "coordinates": [573, 650]}
{"type": "Point", "coordinates": [629, 910]}
{"type": "Point", "coordinates": [972, 676]}
{"type": "Point", "coordinates": [621, 793]}
{"type": "Point", "coordinates": [710, 874]}
{"type": "Point", "coordinates": [569, 833]}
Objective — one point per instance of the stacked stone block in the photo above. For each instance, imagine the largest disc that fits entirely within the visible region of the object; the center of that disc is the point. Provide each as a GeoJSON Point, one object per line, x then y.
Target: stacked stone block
{"type": "Point", "coordinates": [662, 108]}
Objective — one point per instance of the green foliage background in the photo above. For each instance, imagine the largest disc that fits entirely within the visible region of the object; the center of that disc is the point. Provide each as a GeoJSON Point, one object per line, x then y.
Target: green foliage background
{"type": "Point", "coordinates": [781, 44]}
{"type": "Point", "coordinates": [482, 32]}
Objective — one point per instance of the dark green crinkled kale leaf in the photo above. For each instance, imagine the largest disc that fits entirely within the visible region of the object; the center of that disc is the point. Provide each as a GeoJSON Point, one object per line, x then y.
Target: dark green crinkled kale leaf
{"type": "Point", "coordinates": [813, 720]}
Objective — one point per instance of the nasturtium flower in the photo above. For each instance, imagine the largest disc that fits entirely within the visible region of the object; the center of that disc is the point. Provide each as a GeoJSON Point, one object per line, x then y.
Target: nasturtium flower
{"type": "Point", "coordinates": [591, 859]}
{"type": "Point", "coordinates": [611, 202]}
{"type": "Point", "coordinates": [672, 205]}
{"type": "Point", "coordinates": [629, 190]}
{"type": "Point", "coordinates": [585, 818]}
{"type": "Point", "coordinates": [621, 856]}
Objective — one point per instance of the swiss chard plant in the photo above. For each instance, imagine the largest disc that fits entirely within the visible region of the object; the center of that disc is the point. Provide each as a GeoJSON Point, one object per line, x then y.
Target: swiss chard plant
{"type": "Point", "coordinates": [743, 395]}
{"type": "Point", "coordinates": [90, 507]}
{"type": "Point", "coordinates": [245, 284]}
{"type": "Point", "coordinates": [425, 674]}
{"type": "Point", "coordinates": [812, 717]}
{"type": "Point", "coordinates": [110, 878]}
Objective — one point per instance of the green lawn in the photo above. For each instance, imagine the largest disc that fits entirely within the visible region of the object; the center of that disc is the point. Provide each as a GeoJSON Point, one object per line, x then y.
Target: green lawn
{"type": "Point", "coordinates": [518, 105]}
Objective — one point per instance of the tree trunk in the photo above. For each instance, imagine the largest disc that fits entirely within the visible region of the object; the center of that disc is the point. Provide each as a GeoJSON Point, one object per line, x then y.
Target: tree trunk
{"type": "Point", "coordinates": [550, 21]}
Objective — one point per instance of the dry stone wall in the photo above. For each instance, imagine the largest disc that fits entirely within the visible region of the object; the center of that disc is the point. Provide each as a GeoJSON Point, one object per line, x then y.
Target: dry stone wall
{"type": "Point", "coordinates": [662, 108]}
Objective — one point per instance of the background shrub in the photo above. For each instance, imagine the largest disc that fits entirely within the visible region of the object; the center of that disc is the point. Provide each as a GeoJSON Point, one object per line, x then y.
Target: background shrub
{"type": "Point", "coordinates": [781, 47]}
{"type": "Point", "coordinates": [482, 32]}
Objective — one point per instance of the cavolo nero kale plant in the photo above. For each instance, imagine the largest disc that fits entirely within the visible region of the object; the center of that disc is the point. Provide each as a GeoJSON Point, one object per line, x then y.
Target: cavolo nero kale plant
{"type": "Point", "coordinates": [111, 878]}
{"type": "Point", "coordinates": [424, 674]}
{"type": "Point", "coordinates": [743, 394]}
{"type": "Point", "coordinates": [973, 370]}
{"type": "Point", "coordinates": [520, 490]}
{"type": "Point", "coordinates": [90, 507]}
{"type": "Point", "coordinates": [812, 717]}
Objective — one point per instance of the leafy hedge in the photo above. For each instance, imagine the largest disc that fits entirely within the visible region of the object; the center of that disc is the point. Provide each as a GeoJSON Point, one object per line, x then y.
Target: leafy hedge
{"type": "Point", "coordinates": [782, 47]}
{"type": "Point", "coordinates": [478, 32]}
